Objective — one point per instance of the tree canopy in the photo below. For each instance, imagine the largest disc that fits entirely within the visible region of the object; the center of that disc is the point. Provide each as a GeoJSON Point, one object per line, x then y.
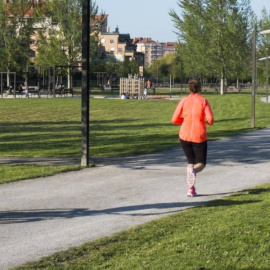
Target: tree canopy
{"type": "Point", "coordinates": [15, 34]}
{"type": "Point", "coordinates": [214, 37]}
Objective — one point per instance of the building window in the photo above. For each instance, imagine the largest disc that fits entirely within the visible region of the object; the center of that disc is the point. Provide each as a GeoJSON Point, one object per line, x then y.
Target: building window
{"type": "Point", "coordinates": [102, 41]}
{"type": "Point", "coordinates": [112, 50]}
{"type": "Point", "coordinates": [111, 40]}
{"type": "Point", "coordinates": [120, 50]}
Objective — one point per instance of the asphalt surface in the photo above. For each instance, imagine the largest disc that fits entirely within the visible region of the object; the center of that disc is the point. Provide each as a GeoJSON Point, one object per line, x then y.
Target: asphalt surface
{"type": "Point", "coordinates": [41, 216]}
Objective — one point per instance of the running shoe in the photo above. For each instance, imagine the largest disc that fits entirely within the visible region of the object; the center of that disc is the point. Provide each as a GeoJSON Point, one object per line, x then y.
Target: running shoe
{"type": "Point", "coordinates": [191, 176]}
{"type": "Point", "coordinates": [191, 192]}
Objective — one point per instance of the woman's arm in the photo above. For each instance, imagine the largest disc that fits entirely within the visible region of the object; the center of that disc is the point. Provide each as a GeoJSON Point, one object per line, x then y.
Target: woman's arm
{"type": "Point", "coordinates": [177, 119]}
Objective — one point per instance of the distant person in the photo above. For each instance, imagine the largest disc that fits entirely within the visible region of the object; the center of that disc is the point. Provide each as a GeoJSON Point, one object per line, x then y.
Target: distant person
{"type": "Point", "coordinates": [127, 96]}
{"type": "Point", "coordinates": [148, 84]}
{"type": "Point", "coordinates": [145, 93]}
{"type": "Point", "coordinates": [26, 88]}
{"type": "Point", "coordinates": [21, 88]}
{"type": "Point", "coordinates": [190, 113]}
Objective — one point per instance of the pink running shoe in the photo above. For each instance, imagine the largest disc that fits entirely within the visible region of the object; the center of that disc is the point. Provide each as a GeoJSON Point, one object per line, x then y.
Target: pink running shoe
{"type": "Point", "coordinates": [191, 176]}
{"type": "Point", "coordinates": [191, 192]}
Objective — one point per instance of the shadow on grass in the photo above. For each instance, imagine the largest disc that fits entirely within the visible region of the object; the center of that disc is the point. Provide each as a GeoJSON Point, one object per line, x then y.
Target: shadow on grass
{"type": "Point", "coordinates": [231, 120]}
{"type": "Point", "coordinates": [252, 268]}
{"type": "Point", "coordinates": [122, 137]}
{"type": "Point", "coordinates": [220, 203]}
{"type": "Point", "coordinates": [256, 191]}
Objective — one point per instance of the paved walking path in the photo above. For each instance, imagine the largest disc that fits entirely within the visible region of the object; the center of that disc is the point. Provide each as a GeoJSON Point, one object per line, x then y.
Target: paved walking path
{"type": "Point", "coordinates": [41, 216]}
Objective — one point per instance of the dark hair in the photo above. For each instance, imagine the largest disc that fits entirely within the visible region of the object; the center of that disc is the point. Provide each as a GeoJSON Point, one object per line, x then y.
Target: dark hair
{"type": "Point", "coordinates": [194, 86]}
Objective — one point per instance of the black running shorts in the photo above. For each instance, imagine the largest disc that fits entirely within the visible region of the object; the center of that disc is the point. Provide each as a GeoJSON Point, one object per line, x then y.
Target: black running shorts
{"type": "Point", "coordinates": [195, 152]}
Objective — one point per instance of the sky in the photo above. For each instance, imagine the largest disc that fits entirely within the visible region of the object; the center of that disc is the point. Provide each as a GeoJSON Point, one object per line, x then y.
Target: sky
{"type": "Point", "coordinates": [150, 18]}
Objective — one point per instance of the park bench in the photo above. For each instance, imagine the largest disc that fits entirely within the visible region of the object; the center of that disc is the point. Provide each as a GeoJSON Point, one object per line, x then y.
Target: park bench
{"type": "Point", "coordinates": [9, 90]}
{"type": "Point", "coordinates": [232, 89]}
{"type": "Point", "coordinates": [108, 87]}
{"type": "Point", "coordinates": [32, 90]}
{"type": "Point", "coordinates": [68, 91]}
{"type": "Point", "coordinates": [59, 90]}
{"type": "Point", "coordinates": [158, 96]}
{"type": "Point", "coordinates": [62, 91]}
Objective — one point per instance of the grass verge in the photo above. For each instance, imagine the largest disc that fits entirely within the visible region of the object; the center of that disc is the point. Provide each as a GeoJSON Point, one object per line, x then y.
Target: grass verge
{"type": "Point", "coordinates": [229, 233]}
{"type": "Point", "coordinates": [51, 127]}
{"type": "Point", "coordinates": [11, 173]}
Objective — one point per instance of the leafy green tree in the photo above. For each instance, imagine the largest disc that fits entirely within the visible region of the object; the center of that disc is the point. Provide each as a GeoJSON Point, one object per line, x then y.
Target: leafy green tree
{"type": "Point", "coordinates": [60, 37]}
{"type": "Point", "coordinates": [133, 66]}
{"type": "Point", "coordinates": [122, 68]}
{"type": "Point", "coordinates": [98, 59]}
{"type": "Point", "coordinates": [165, 66]}
{"type": "Point", "coordinates": [264, 43]}
{"type": "Point", "coordinates": [214, 36]}
{"type": "Point", "coordinates": [111, 66]}
{"type": "Point", "coordinates": [60, 40]}
{"type": "Point", "coordinates": [15, 34]}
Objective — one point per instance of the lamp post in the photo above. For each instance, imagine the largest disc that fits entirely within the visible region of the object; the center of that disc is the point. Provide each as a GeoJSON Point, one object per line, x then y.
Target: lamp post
{"type": "Point", "coordinates": [170, 86]}
{"type": "Point", "coordinates": [266, 74]}
{"type": "Point", "coordinates": [157, 75]}
{"type": "Point", "coordinates": [265, 32]}
{"type": "Point", "coordinates": [85, 82]}
{"type": "Point", "coordinates": [254, 37]}
{"type": "Point", "coordinates": [266, 71]}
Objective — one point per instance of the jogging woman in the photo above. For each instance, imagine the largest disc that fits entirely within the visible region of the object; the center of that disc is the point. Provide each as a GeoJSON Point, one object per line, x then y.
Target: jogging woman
{"type": "Point", "coordinates": [191, 113]}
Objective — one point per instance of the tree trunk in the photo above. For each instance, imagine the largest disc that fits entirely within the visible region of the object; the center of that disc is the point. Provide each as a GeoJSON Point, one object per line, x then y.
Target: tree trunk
{"type": "Point", "coordinates": [8, 76]}
{"type": "Point", "coordinates": [8, 79]}
{"type": "Point", "coordinates": [69, 80]}
{"type": "Point", "coordinates": [222, 82]}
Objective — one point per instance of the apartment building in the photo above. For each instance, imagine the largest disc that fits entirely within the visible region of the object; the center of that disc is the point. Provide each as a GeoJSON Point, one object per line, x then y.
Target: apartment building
{"type": "Point", "coordinates": [120, 45]}
{"type": "Point", "coordinates": [169, 47]}
{"type": "Point", "coordinates": [153, 49]}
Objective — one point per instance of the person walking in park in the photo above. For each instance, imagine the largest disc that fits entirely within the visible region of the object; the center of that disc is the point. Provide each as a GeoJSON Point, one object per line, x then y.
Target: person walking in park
{"type": "Point", "coordinates": [145, 93]}
{"type": "Point", "coordinates": [148, 84]}
{"type": "Point", "coordinates": [191, 113]}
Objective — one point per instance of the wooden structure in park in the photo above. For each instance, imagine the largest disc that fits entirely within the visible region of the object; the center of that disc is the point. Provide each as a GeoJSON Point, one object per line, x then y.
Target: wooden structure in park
{"type": "Point", "coordinates": [133, 86]}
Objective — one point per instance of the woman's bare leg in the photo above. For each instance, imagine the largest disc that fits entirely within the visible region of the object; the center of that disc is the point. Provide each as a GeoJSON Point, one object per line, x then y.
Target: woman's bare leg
{"type": "Point", "coordinates": [199, 167]}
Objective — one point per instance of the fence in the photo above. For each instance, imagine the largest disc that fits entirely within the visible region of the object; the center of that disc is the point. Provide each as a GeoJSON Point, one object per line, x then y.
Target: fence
{"type": "Point", "coordinates": [133, 86]}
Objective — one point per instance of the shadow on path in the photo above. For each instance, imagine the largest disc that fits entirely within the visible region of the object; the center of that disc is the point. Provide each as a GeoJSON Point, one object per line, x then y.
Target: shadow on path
{"type": "Point", "coordinates": [34, 215]}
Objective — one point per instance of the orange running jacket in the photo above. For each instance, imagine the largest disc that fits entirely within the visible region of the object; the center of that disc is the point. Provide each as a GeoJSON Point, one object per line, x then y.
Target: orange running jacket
{"type": "Point", "coordinates": [191, 113]}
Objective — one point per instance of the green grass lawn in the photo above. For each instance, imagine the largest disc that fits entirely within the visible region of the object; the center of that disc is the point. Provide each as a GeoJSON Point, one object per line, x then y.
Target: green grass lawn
{"type": "Point", "coordinates": [226, 234]}
{"type": "Point", "coordinates": [230, 233]}
{"type": "Point", "coordinates": [11, 173]}
{"type": "Point", "coordinates": [51, 127]}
